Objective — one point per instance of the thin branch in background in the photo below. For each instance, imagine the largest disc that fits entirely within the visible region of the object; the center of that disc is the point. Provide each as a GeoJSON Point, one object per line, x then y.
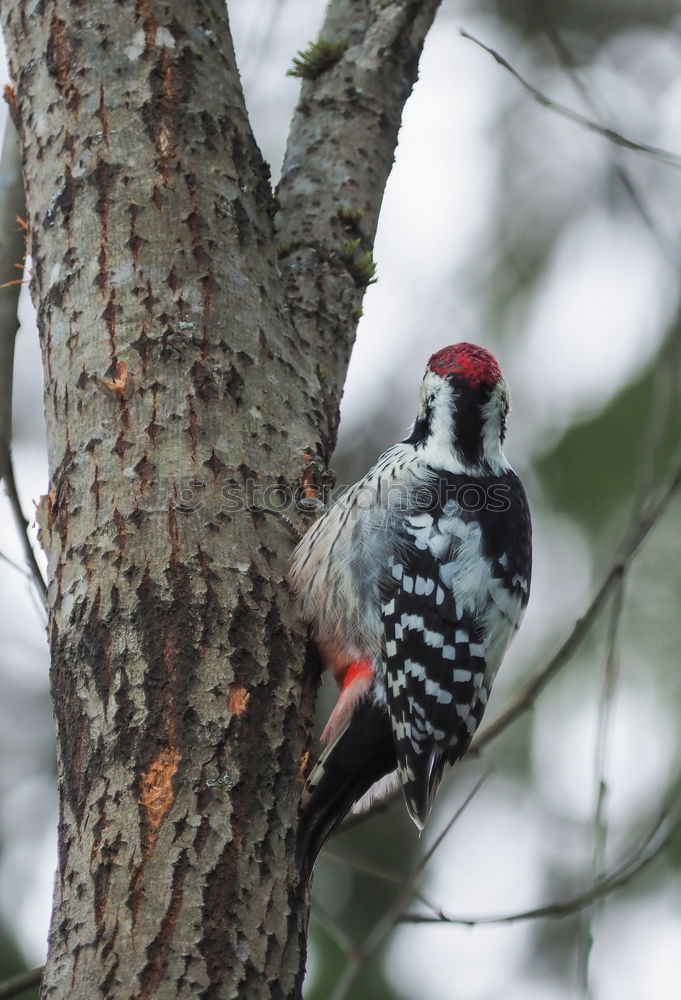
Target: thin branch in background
{"type": "Point", "coordinates": [12, 248]}
{"type": "Point", "coordinates": [332, 928]}
{"type": "Point", "coordinates": [600, 823]}
{"type": "Point", "coordinates": [635, 862]}
{"type": "Point", "coordinates": [671, 806]}
{"type": "Point", "coordinates": [457, 815]}
{"type": "Point", "coordinates": [259, 45]}
{"type": "Point", "coordinates": [663, 394]}
{"type": "Point", "coordinates": [661, 408]}
{"type": "Point", "coordinates": [379, 873]}
{"type": "Point", "coordinates": [7, 474]}
{"type": "Point", "coordinates": [19, 984]}
{"type": "Point", "coordinates": [397, 879]}
{"type": "Point", "coordinates": [359, 956]}
{"type": "Point", "coordinates": [646, 515]}
{"type": "Point", "coordinates": [665, 376]}
{"type": "Point", "coordinates": [14, 565]}
{"type": "Point", "coordinates": [662, 155]}
{"type": "Point", "coordinates": [569, 64]}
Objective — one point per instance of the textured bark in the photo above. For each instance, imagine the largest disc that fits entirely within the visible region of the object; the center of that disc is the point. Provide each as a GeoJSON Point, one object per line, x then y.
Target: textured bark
{"type": "Point", "coordinates": [181, 375]}
{"type": "Point", "coordinates": [338, 158]}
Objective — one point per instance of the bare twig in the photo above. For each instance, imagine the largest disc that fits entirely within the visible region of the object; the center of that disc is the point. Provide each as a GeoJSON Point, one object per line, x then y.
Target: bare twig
{"type": "Point", "coordinates": [662, 155]}
{"type": "Point", "coordinates": [600, 824]}
{"type": "Point", "coordinates": [569, 64]}
{"type": "Point", "coordinates": [19, 984]}
{"type": "Point", "coordinates": [393, 878]}
{"type": "Point", "coordinates": [457, 815]}
{"type": "Point", "coordinates": [635, 862]}
{"type": "Point", "coordinates": [342, 940]}
{"type": "Point", "coordinates": [610, 677]}
{"type": "Point", "coordinates": [358, 957]}
{"type": "Point", "coordinates": [379, 873]}
{"type": "Point", "coordinates": [7, 473]}
{"type": "Point", "coordinates": [663, 392]}
{"type": "Point", "coordinates": [12, 206]}
{"type": "Point", "coordinates": [14, 565]}
{"type": "Point", "coordinates": [259, 43]}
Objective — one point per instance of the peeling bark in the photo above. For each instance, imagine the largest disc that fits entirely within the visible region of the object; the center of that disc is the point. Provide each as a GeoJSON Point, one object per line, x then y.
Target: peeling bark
{"type": "Point", "coordinates": [183, 375]}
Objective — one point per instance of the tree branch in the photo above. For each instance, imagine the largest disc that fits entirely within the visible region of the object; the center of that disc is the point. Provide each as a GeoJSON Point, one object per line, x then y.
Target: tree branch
{"type": "Point", "coordinates": [634, 862]}
{"type": "Point", "coordinates": [12, 207]}
{"type": "Point", "coordinates": [603, 730]}
{"type": "Point", "coordinates": [663, 155]}
{"type": "Point", "coordinates": [19, 984]}
{"type": "Point", "coordinates": [339, 155]}
{"type": "Point", "coordinates": [139, 161]}
{"type": "Point", "coordinates": [632, 866]}
{"type": "Point", "coordinates": [379, 873]}
{"type": "Point", "coordinates": [592, 100]}
{"type": "Point", "coordinates": [392, 916]}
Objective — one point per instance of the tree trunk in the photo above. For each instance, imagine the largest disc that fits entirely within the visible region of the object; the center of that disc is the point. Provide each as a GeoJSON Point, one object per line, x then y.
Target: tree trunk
{"type": "Point", "coordinates": [187, 375]}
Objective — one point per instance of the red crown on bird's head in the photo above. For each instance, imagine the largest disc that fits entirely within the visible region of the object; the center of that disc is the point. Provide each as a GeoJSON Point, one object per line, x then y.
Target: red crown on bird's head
{"type": "Point", "coordinates": [476, 365]}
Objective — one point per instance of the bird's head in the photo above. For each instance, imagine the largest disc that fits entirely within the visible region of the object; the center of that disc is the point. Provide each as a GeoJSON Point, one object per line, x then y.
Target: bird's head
{"type": "Point", "coordinates": [464, 403]}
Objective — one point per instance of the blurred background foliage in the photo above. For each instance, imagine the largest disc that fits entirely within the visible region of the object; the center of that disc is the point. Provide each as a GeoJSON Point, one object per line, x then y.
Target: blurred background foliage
{"type": "Point", "coordinates": [509, 225]}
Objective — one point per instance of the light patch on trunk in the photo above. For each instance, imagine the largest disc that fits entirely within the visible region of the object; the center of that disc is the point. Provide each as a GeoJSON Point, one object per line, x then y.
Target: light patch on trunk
{"type": "Point", "coordinates": [136, 47]}
{"type": "Point", "coordinates": [118, 382]}
{"type": "Point", "coordinates": [238, 700]}
{"type": "Point", "coordinates": [156, 786]}
{"type": "Point", "coordinates": [305, 765]}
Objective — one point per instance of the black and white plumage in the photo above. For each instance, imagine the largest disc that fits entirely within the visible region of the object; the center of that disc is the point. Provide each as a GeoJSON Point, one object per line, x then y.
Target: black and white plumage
{"type": "Point", "coordinates": [413, 584]}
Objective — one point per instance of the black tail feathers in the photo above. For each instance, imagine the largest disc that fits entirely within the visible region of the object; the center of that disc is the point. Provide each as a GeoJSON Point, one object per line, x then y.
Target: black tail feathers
{"type": "Point", "coordinates": [420, 788]}
{"type": "Point", "coordinates": [359, 757]}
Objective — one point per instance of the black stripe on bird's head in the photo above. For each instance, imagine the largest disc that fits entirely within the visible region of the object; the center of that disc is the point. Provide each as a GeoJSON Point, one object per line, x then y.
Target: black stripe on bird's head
{"type": "Point", "coordinates": [464, 402]}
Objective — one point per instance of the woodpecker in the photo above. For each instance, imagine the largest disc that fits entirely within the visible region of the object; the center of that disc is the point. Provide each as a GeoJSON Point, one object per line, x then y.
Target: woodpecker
{"type": "Point", "coordinates": [413, 584]}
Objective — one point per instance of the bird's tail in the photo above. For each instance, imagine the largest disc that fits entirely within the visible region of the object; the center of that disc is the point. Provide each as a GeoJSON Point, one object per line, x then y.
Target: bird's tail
{"type": "Point", "coordinates": [359, 757]}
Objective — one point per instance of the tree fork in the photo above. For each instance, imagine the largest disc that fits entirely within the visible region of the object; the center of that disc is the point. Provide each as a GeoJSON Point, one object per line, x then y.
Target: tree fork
{"type": "Point", "coordinates": [173, 342]}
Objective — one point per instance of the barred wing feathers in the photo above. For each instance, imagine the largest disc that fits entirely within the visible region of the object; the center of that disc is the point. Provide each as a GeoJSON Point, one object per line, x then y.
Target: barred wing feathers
{"type": "Point", "coordinates": [457, 590]}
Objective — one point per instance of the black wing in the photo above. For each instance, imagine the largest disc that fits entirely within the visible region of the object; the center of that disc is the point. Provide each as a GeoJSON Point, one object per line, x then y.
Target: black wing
{"type": "Point", "coordinates": [456, 592]}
